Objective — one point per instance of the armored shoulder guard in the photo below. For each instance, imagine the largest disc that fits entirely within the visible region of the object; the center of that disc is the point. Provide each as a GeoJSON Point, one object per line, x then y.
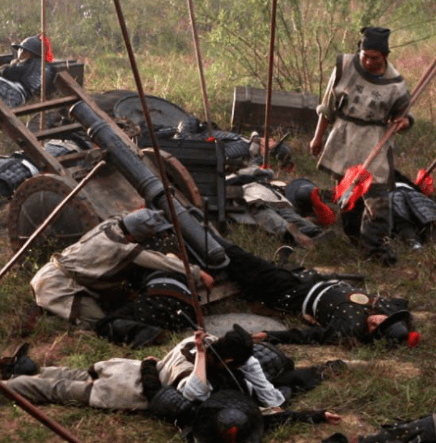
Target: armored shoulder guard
{"type": "Point", "coordinates": [272, 360]}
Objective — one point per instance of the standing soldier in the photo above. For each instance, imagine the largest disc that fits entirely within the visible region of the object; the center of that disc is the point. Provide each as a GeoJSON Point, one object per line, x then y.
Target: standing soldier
{"type": "Point", "coordinates": [365, 95]}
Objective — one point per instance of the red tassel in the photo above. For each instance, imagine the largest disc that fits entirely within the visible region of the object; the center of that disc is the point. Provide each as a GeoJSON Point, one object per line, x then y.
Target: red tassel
{"type": "Point", "coordinates": [361, 187]}
{"type": "Point", "coordinates": [425, 182]}
{"type": "Point", "coordinates": [326, 215]}
{"type": "Point", "coordinates": [413, 339]}
{"type": "Point", "coordinates": [48, 52]}
{"type": "Point", "coordinates": [210, 139]}
{"type": "Point", "coordinates": [230, 435]}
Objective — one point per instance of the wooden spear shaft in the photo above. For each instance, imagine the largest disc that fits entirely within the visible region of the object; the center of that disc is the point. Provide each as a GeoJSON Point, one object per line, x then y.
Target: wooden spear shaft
{"type": "Point", "coordinates": [50, 218]}
{"type": "Point", "coordinates": [162, 172]}
{"type": "Point", "coordinates": [270, 77]}
{"type": "Point", "coordinates": [37, 413]}
{"type": "Point", "coordinates": [200, 67]}
{"type": "Point", "coordinates": [43, 79]}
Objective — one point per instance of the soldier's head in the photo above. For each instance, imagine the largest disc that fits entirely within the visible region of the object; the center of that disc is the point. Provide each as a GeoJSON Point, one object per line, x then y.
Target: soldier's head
{"type": "Point", "coordinates": [228, 416]}
{"type": "Point", "coordinates": [374, 49]}
{"type": "Point", "coordinates": [30, 47]}
{"type": "Point", "coordinates": [234, 348]}
{"type": "Point", "coordinates": [395, 329]}
{"type": "Point", "coordinates": [143, 224]}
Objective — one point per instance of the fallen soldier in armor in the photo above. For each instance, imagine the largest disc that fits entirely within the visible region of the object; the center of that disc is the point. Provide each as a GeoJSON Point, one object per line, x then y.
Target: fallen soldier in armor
{"type": "Point", "coordinates": [338, 311]}
{"type": "Point", "coordinates": [185, 383]}
{"type": "Point", "coordinates": [96, 275]}
{"type": "Point", "coordinates": [415, 431]}
{"type": "Point", "coordinates": [413, 213]}
{"type": "Point", "coordinates": [21, 78]}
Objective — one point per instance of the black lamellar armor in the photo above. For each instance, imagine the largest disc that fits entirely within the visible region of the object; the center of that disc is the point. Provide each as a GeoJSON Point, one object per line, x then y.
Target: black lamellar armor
{"type": "Point", "coordinates": [28, 73]}
{"type": "Point", "coordinates": [339, 311]}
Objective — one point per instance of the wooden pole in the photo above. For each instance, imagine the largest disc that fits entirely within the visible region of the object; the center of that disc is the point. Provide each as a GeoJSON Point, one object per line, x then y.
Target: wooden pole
{"type": "Point", "coordinates": [37, 413]}
{"type": "Point", "coordinates": [163, 175]}
{"type": "Point", "coordinates": [200, 67]}
{"type": "Point", "coordinates": [43, 62]}
{"type": "Point", "coordinates": [270, 78]}
{"type": "Point", "coordinates": [49, 219]}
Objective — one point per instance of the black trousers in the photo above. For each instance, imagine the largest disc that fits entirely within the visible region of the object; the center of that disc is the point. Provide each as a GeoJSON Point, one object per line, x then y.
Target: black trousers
{"type": "Point", "coordinates": [261, 280]}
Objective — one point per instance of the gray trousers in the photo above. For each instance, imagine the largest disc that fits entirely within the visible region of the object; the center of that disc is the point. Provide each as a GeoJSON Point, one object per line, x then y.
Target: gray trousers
{"type": "Point", "coordinates": [276, 220]}
{"type": "Point", "coordinates": [54, 385]}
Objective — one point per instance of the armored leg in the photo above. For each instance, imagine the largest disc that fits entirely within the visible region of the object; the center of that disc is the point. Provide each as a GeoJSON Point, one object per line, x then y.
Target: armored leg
{"type": "Point", "coordinates": [376, 225]}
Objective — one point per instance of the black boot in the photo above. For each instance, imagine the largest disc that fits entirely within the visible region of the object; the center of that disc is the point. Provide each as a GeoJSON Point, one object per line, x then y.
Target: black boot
{"type": "Point", "coordinates": [18, 364]}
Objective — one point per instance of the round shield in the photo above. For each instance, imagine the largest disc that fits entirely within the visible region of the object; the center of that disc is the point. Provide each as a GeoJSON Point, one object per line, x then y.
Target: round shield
{"type": "Point", "coordinates": [162, 112]}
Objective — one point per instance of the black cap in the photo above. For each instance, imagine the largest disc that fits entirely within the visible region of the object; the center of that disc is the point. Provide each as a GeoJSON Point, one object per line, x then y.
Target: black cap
{"type": "Point", "coordinates": [298, 192]}
{"type": "Point", "coordinates": [395, 329]}
{"type": "Point", "coordinates": [236, 344]}
{"type": "Point", "coordinates": [375, 38]}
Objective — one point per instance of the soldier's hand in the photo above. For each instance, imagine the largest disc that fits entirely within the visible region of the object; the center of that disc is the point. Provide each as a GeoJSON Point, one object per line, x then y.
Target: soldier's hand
{"type": "Point", "coordinates": [259, 336]}
{"type": "Point", "coordinates": [331, 418]}
{"type": "Point", "coordinates": [207, 280]}
{"type": "Point", "coordinates": [315, 146]}
{"type": "Point", "coordinates": [402, 123]}
{"type": "Point", "coordinates": [200, 335]}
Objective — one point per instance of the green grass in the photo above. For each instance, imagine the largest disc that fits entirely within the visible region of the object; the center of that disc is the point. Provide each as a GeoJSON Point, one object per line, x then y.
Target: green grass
{"type": "Point", "coordinates": [367, 397]}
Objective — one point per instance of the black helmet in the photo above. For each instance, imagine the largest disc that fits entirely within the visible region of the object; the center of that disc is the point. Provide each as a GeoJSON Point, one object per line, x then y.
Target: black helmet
{"type": "Point", "coordinates": [31, 44]}
{"type": "Point", "coordinates": [145, 223]}
{"type": "Point", "coordinates": [395, 329]}
{"type": "Point", "coordinates": [228, 415]}
{"type": "Point", "coordinates": [298, 192]}
{"type": "Point", "coordinates": [236, 344]}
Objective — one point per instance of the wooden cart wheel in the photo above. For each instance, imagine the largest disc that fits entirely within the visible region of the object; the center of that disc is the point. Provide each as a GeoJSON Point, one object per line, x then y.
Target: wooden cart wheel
{"type": "Point", "coordinates": [179, 177]}
{"type": "Point", "coordinates": [35, 199]}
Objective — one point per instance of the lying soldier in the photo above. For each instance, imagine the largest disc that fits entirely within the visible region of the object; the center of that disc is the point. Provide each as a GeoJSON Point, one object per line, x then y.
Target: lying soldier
{"type": "Point", "coordinates": [337, 310]}
{"type": "Point", "coordinates": [173, 387]}
{"type": "Point", "coordinates": [420, 430]}
{"type": "Point", "coordinates": [96, 275]}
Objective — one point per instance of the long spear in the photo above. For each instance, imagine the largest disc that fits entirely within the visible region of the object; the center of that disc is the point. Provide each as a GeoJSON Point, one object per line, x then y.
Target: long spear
{"type": "Point", "coordinates": [200, 67]}
{"type": "Point", "coordinates": [43, 77]}
{"type": "Point", "coordinates": [37, 413]}
{"type": "Point", "coordinates": [423, 179]}
{"type": "Point", "coordinates": [270, 77]}
{"type": "Point", "coordinates": [347, 193]}
{"type": "Point", "coordinates": [164, 178]}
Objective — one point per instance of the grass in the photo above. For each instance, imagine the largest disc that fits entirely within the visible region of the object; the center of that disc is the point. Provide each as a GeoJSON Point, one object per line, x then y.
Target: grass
{"type": "Point", "coordinates": [389, 385]}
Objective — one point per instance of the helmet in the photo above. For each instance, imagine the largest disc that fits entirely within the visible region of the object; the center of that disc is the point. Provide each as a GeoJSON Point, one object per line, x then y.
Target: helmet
{"type": "Point", "coordinates": [145, 223]}
{"type": "Point", "coordinates": [31, 44]}
{"type": "Point", "coordinates": [395, 329]}
{"type": "Point", "coordinates": [236, 344]}
{"type": "Point", "coordinates": [298, 192]}
{"type": "Point", "coordinates": [228, 416]}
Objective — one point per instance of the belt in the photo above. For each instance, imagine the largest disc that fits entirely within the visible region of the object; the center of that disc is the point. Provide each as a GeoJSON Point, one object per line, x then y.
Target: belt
{"type": "Point", "coordinates": [315, 294]}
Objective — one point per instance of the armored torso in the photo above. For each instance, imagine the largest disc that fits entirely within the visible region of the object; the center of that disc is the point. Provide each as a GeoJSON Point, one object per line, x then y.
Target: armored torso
{"type": "Point", "coordinates": [363, 106]}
